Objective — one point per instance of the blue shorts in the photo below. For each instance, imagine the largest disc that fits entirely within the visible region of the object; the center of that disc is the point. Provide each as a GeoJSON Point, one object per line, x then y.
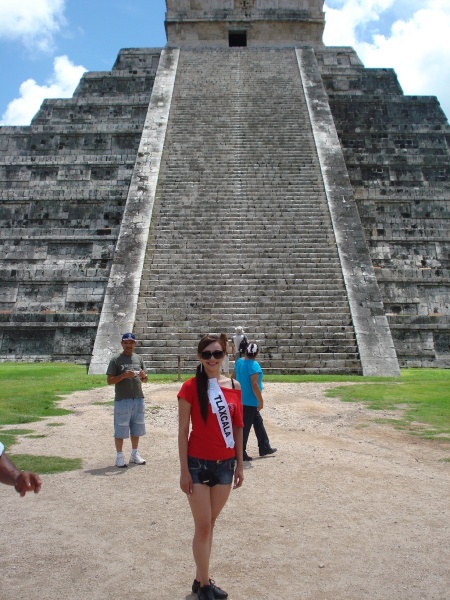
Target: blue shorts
{"type": "Point", "coordinates": [221, 471]}
{"type": "Point", "coordinates": [129, 418]}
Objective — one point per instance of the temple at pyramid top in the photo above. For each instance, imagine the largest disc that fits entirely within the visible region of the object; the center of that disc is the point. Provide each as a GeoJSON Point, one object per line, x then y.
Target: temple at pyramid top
{"type": "Point", "coordinates": [253, 23]}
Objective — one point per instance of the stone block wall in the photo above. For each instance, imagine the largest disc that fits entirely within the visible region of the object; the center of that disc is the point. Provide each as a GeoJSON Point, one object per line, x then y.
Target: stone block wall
{"type": "Point", "coordinates": [396, 149]}
{"type": "Point", "coordinates": [63, 187]}
{"type": "Point", "coordinates": [203, 23]}
{"type": "Point", "coordinates": [265, 33]}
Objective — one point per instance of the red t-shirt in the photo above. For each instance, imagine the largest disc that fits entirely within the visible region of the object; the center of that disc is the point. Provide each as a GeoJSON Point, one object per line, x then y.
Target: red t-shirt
{"type": "Point", "coordinates": [206, 440]}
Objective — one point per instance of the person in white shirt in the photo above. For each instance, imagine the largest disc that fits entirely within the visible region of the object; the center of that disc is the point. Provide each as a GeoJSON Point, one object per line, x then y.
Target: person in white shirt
{"type": "Point", "coordinates": [239, 340]}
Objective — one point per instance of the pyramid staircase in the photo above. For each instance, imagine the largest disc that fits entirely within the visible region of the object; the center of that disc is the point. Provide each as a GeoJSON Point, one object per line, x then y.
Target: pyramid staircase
{"type": "Point", "coordinates": [241, 232]}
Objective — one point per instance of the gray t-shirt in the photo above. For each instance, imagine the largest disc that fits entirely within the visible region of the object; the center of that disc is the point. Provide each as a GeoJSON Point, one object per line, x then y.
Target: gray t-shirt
{"type": "Point", "coordinates": [127, 388]}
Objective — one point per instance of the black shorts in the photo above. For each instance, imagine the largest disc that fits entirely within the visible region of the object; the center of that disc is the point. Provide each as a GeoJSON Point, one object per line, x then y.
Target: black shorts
{"type": "Point", "coordinates": [211, 472]}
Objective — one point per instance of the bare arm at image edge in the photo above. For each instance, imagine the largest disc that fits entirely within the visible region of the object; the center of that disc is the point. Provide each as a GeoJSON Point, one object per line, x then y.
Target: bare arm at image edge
{"type": "Point", "coordinates": [23, 481]}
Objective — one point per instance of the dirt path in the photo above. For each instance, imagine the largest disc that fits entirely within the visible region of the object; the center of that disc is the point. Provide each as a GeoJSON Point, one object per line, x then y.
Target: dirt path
{"type": "Point", "coordinates": [346, 510]}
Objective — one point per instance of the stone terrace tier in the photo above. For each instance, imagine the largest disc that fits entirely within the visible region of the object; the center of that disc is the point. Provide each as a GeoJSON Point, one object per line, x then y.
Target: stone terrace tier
{"type": "Point", "coordinates": [396, 149]}
{"type": "Point", "coordinates": [63, 189]}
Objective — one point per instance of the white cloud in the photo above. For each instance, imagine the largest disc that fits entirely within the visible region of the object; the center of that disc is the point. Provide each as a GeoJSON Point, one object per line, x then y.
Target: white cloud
{"type": "Point", "coordinates": [417, 47]}
{"type": "Point", "coordinates": [342, 23]}
{"type": "Point", "coordinates": [32, 22]}
{"type": "Point", "coordinates": [62, 84]}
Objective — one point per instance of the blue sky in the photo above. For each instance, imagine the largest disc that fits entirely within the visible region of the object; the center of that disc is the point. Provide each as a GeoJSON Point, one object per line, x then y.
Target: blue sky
{"type": "Point", "coordinates": [46, 45]}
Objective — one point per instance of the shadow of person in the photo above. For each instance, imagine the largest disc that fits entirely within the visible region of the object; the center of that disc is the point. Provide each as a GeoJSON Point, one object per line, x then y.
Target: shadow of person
{"type": "Point", "coordinates": [109, 471]}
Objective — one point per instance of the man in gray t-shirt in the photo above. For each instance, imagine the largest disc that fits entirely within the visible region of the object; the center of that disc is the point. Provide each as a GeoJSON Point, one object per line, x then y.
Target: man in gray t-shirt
{"type": "Point", "coordinates": [126, 372]}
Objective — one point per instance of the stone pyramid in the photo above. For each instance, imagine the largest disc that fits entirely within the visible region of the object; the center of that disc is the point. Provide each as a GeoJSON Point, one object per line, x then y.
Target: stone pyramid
{"type": "Point", "coordinates": [245, 174]}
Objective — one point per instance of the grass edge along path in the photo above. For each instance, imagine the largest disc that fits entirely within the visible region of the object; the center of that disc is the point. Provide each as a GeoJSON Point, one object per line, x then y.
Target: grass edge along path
{"type": "Point", "coordinates": [30, 392]}
{"type": "Point", "coordinates": [421, 396]}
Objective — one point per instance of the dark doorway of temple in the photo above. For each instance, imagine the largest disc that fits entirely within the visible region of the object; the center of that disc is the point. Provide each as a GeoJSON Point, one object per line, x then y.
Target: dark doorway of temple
{"type": "Point", "coordinates": [237, 38]}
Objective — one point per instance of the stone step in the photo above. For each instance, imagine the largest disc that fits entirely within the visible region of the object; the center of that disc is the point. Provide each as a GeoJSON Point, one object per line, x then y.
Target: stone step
{"type": "Point", "coordinates": [59, 234]}
{"type": "Point", "coordinates": [31, 318]}
{"type": "Point", "coordinates": [267, 357]}
{"type": "Point", "coordinates": [234, 258]}
{"type": "Point", "coordinates": [309, 363]}
{"type": "Point", "coordinates": [172, 337]}
{"type": "Point", "coordinates": [271, 350]}
{"type": "Point", "coordinates": [308, 295]}
{"type": "Point", "coordinates": [253, 283]}
{"type": "Point", "coordinates": [252, 320]}
{"type": "Point", "coordinates": [287, 306]}
{"type": "Point", "coordinates": [219, 322]}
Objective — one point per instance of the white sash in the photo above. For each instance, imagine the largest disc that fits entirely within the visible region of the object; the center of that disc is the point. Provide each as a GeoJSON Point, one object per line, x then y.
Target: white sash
{"type": "Point", "coordinates": [220, 409]}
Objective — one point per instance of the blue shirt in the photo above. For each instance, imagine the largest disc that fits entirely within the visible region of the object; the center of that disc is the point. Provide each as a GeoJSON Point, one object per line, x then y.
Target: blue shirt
{"type": "Point", "coordinates": [244, 369]}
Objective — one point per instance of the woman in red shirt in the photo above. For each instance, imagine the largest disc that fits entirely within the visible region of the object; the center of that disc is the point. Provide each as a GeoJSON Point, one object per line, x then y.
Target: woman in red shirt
{"type": "Point", "coordinates": [211, 455]}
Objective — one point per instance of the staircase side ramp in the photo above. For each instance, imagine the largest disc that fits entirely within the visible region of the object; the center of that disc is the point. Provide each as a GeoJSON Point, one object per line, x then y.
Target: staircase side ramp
{"type": "Point", "coordinates": [119, 307]}
{"type": "Point", "coordinates": [375, 344]}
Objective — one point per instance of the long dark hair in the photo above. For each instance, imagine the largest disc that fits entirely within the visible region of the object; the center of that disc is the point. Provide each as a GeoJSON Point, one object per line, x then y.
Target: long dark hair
{"type": "Point", "coordinates": [201, 376]}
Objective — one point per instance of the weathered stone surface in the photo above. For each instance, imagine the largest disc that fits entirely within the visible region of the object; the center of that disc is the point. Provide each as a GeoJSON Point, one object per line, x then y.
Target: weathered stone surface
{"type": "Point", "coordinates": [63, 187]}
{"type": "Point", "coordinates": [241, 229]}
{"type": "Point", "coordinates": [374, 338]}
{"type": "Point", "coordinates": [119, 307]}
{"type": "Point", "coordinates": [249, 185]}
{"type": "Point", "coordinates": [396, 152]}
{"type": "Point", "coordinates": [257, 23]}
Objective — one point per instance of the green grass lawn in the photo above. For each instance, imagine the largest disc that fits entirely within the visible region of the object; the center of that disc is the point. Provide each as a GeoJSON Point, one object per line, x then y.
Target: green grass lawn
{"type": "Point", "coordinates": [30, 392]}
{"type": "Point", "coordinates": [421, 397]}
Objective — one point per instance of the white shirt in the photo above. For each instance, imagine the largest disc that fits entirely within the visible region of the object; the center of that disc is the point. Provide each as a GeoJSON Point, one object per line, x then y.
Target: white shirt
{"type": "Point", "coordinates": [237, 339]}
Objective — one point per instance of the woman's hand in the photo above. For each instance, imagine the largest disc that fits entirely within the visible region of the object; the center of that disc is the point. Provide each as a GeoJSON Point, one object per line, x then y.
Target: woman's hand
{"type": "Point", "coordinates": [238, 476]}
{"type": "Point", "coordinates": [186, 483]}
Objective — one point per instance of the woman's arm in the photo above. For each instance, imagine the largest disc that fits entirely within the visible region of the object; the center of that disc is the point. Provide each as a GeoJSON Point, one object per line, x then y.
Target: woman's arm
{"type": "Point", "coordinates": [255, 387]}
{"type": "Point", "coordinates": [238, 434]}
{"type": "Point", "coordinates": [184, 417]}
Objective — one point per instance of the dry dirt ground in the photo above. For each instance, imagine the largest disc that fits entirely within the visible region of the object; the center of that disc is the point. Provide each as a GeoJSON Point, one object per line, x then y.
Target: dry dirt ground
{"type": "Point", "coordinates": [347, 509]}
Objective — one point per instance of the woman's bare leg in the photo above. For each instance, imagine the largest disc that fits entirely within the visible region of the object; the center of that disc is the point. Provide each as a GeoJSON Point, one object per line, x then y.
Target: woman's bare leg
{"type": "Point", "coordinates": [206, 504]}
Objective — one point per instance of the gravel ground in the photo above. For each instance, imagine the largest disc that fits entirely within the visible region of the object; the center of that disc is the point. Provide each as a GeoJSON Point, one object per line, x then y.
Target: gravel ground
{"type": "Point", "coordinates": [347, 509]}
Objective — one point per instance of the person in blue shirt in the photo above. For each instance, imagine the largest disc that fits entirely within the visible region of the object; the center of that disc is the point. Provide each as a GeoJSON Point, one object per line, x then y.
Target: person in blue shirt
{"type": "Point", "coordinates": [248, 372]}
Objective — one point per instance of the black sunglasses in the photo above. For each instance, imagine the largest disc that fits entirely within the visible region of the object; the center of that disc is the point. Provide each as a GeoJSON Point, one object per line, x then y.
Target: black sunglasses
{"type": "Point", "coordinates": [206, 354]}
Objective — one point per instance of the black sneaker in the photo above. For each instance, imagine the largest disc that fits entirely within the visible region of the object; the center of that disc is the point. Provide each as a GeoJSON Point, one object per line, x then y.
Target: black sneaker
{"type": "Point", "coordinates": [217, 592]}
{"type": "Point", "coordinates": [267, 451]}
{"type": "Point", "coordinates": [247, 457]}
{"type": "Point", "coordinates": [205, 592]}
